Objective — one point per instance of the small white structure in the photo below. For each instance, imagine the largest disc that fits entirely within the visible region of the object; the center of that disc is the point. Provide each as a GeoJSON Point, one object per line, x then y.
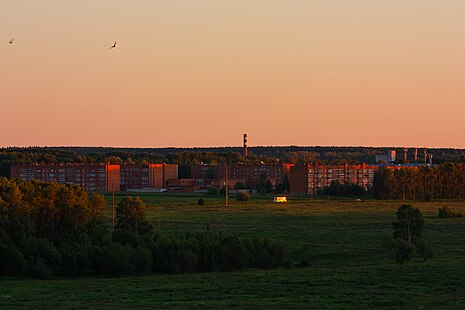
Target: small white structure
{"type": "Point", "coordinates": [280, 199]}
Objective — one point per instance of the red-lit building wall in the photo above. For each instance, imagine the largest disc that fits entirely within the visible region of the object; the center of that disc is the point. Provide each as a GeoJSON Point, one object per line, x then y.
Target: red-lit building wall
{"type": "Point", "coordinates": [92, 177]}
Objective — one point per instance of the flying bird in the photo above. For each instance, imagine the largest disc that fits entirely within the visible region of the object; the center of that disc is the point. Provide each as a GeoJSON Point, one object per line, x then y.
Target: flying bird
{"type": "Point", "coordinates": [113, 46]}
{"type": "Point", "coordinates": [11, 41]}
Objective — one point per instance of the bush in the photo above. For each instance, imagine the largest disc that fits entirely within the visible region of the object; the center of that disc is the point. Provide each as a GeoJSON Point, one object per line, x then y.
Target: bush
{"type": "Point", "coordinates": [212, 191]}
{"type": "Point", "coordinates": [428, 196]}
{"type": "Point", "coordinates": [40, 270]}
{"type": "Point", "coordinates": [124, 236]}
{"type": "Point", "coordinates": [114, 259]}
{"type": "Point", "coordinates": [243, 196]}
{"type": "Point", "coordinates": [12, 262]}
{"type": "Point", "coordinates": [447, 212]}
{"type": "Point", "coordinates": [201, 202]}
{"type": "Point", "coordinates": [187, 261]}
{"type": "Point", "coordinates": [142, 260]}
{"type": "Point", "coordinates": [401, 250]}
{"type": "Point", "coordinates": [424, 250]}
{"type": "Point", "coordinates": [232, 255]}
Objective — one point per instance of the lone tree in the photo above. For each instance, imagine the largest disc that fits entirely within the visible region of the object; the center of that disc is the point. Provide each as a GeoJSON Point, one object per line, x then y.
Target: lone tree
{"type": "Point", "coordinates": [130, 215]}
{"type": "Point", "coordinates": [409, 225]}
{"type": "Point", "coordinates": [408, 230]}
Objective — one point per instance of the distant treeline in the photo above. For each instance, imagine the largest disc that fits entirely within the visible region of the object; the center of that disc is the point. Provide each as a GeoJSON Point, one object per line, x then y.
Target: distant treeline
{"type": "Point", "coordinates": [445, 181]}
{"type": "Point", "coordinates": [187, 156]}
{"type": "Point", "coordinates": [343, 189]}
{"type": "Point", "coordinates": [49, 229]}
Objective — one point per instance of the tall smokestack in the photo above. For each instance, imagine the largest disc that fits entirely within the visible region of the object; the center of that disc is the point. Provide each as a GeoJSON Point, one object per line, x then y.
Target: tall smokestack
{"type": "Point", "coordinates": [405, 155]}
{"type": "Point", "coordinates": [431, 160]}
{"type": "Point", "coordinates": [246, 151]}
{"type": "Point", "coordinates": [415, 154]}
{"type": "Point", "coordinates": [424, 154]}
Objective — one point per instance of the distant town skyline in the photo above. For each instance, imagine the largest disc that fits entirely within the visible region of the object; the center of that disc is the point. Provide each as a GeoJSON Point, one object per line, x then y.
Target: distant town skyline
{"type": "Point", "coordinates": [166, 73]}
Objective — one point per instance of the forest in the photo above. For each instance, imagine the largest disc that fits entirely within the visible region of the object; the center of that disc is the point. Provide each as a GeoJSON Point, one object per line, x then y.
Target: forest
{"type": "Point", "coordinates": [444, 181]}
{"type": "Point", "coordinates": [50, 229]}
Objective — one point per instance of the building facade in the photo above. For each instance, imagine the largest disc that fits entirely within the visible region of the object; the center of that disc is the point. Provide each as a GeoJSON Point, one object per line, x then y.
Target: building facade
{"type": "Point", "coordinates": [250, 173]}
{"type": "Point", "coordinates": [308, 179]}
{"type": "Point", "coordinates": [143, 176]}
{"type": "Point", "coordinates": [92, 177]}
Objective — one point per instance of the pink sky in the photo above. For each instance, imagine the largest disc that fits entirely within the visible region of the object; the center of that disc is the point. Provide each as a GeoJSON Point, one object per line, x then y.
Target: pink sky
{"type": "Point", "coordinates": [202, 72]}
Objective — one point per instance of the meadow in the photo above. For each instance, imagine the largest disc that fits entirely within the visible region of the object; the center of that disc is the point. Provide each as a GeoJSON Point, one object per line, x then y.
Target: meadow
{"type": "Point", "coordinates": [336, 243]}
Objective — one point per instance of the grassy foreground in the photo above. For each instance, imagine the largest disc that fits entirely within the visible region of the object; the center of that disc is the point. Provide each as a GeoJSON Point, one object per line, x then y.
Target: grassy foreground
{"type": "Point", "coordinates": [340, 240]}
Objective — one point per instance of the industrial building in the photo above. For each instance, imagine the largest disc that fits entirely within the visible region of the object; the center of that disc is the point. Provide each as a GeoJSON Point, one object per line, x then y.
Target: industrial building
{"type": "Point", "coordinates": [389, 157]}
{"type": "Point", "coordinates": [92, 177]}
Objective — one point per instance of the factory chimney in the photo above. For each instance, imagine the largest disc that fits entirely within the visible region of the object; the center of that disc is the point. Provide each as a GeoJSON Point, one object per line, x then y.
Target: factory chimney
{"type": "Point", "coordinates": [430, 160]}
{"type": "Point", "coordinates": [424, 154]}
{"type": "Point", "coordinates": [246, 151]}
{"type": "Point", "coordinates": [415, 155]}
{"type": "Point", "coordinates": [405, 155]}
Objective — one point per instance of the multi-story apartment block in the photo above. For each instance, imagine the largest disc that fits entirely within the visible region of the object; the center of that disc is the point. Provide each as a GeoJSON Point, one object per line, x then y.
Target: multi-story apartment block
{"type": "Point", "coordinates": [308, 179]}
{"type": "Point", "coordinates": [251, 173]}
{"type": "Point", "coordinates": [143, 176]}
{"type": "Point", "coordinates": [92, 177]}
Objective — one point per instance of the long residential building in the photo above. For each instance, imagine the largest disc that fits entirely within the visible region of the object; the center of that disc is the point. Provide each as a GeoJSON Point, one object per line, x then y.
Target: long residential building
{"type": "Point", "coordinates": [308, 179]}
{"type": "Point", "coordinates": [144, 176]}
{"type": "Point", "coordinates": [93, 177]}
{"type": "Point", "coordinates": [249, 172]}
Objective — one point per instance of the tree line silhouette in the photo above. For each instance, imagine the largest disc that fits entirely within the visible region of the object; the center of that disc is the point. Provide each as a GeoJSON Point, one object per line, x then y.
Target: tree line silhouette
{"type": "Point", "coordinates": [50, 229]}
{"type": "Point", "coordinates": [187, 156]}
{"type": "Point", "coordinates": [444, 181]}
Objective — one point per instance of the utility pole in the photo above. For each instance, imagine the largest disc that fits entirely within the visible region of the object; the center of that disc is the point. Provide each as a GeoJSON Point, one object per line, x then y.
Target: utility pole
{"type": "Point", "coordinates": [226, 185]}
{"type": "Point", "coordinates": [113, 206]}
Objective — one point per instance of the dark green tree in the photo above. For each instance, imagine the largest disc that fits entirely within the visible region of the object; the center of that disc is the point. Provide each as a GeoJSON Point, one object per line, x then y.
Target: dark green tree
{"type": "Point", "coordinates": [130, 215]}
{"type": "Point", "coordinates": [409, 225]}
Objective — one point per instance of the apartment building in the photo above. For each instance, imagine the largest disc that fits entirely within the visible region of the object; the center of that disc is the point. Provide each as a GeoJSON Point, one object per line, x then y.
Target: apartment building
{"type": "Point", "coordinates": [143, 176]}
{"type": "Point", "coordinates": [249, 172]}
{"type": "Point", "coordinates": [92, 177]}
{"type": "Point", "coordinates": [308, 179]}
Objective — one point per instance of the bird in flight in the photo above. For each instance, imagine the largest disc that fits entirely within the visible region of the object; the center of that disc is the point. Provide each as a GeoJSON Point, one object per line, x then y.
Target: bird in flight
{"type": "Point", "coordinates": [113, 46]}
{"type": "Point", "coordinates": [11, 41]}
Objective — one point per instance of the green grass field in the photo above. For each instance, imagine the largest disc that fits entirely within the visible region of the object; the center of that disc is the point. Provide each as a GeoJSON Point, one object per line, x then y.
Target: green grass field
{"type": "Point", "coordinates": [341, 240]}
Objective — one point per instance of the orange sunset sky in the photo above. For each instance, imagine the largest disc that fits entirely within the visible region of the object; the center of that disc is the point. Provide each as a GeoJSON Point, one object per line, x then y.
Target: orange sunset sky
{"type": "Point", "coordinates": [203, 72]}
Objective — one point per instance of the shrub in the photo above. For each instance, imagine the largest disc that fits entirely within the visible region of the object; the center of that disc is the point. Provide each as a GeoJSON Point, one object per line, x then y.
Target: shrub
{"type": "Point", "coordinates": [212, 191]}
{"type": "Point", "coordinates": [42, 252]}
{"type": "Point", "coordinates": [401, 250]}
{"type": "Point", "coordinates": [428, 196]}
{"type": "Point", "coordinates": [447, 212]}
{"type": "Point", "coordinates": [12, 262]}
{"type": "Point", "coordinates": [124, 236]}
{"type": "Point", "coordinates": [243, 196]}
{"type": "Point", "coordinates": [232, 255]}
{"type": "Point", "coordinates": [114, 259]}
{"type": "Point", "coordinates": [40, 270]}
{"type": "Point", "coordinates": [424, 250]}
{"type": "Point", "coordinates": [187, 261]}
{"type": "Point", "coordinates": [142, 260]}
{"type": "Point", "coordinates": [201, 202]}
